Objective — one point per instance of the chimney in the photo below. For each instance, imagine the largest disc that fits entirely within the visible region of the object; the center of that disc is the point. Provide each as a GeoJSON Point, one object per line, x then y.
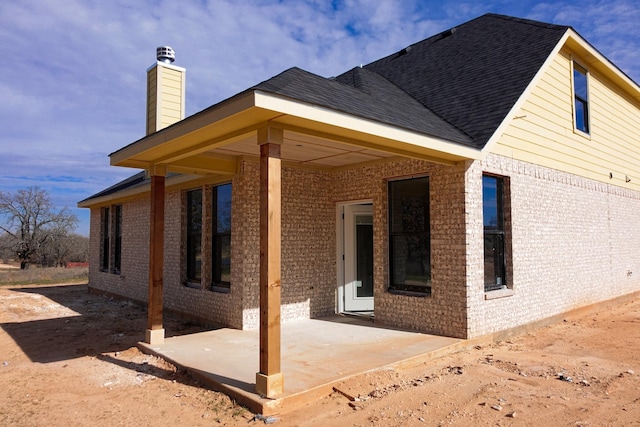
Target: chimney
{"type": "Point", "coordinates": [165, 91]}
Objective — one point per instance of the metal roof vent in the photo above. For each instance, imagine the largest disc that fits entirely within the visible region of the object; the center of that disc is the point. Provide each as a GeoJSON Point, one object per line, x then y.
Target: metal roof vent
{"type": "Point", "coordinates": [165, 54]}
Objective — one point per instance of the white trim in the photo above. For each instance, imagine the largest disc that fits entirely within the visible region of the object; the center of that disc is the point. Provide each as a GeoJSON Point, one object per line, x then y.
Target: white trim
{"type": "Point", "coordinates": [164, 64]}
{"type": "Point", "coordinates": [340, 249]}
{"type": "Point", "coordinates": [577, 131]}
{"type": "Point", "coordinates": [331, 117]}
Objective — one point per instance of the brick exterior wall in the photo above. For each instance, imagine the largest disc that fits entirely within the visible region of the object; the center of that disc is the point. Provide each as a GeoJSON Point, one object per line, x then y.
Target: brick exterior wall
{"type": "Point", "coordinates": [308, 244]}
{"type": "Point", "coordinates": [132, 281]}
{"type": "Point", "coordinates": [444, 312]}
{"type": "Point", "coordinates": [572, 243]}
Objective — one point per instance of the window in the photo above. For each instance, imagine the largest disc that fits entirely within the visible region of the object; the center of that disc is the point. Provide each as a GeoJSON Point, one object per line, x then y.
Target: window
{"type": "Point", "coordinates": [194, 236]}
{"type": "Point", "coordinates": [111, 239]}
{"type": "Point", "coordinates": [581, 98]}
{"type": "Point", "coordinates": [117, 232]}
{"type": "Point", "coordinates": [105, 233]}
{"type": "Point", "coordinates": [221, 236]}
{"type": "Point", "coordinates": [409, 237]}
{"type": "Point", "coordinates": [494, 233]}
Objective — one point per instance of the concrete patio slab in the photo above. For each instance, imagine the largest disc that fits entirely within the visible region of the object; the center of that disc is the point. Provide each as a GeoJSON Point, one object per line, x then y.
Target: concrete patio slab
{"type": "Point", "coordinates": [316, 354]}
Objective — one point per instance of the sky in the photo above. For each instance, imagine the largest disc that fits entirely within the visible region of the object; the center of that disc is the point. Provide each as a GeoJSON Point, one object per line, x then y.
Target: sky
{"type": "Point", "coordinates": [73, 72]}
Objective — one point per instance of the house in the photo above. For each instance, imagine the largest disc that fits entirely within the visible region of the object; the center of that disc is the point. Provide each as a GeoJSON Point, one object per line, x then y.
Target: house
{"type": "Point", "coordinates": [479, 180]}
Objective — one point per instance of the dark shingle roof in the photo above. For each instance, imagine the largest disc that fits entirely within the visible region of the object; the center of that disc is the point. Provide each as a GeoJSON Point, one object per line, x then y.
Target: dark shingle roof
{"type": "Point", "coordinates": [458, 85]}
{"type": "Point", "coordinates": [365, 94]}
{"type": "Point", "coordinates": [473, 74]}
{"type": "Point", "coordinates": [133, 181]}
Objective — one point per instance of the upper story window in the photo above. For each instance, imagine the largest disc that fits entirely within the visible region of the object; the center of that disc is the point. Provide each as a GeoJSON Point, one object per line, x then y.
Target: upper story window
{"type": "Point", "coordinates": [581, 98]}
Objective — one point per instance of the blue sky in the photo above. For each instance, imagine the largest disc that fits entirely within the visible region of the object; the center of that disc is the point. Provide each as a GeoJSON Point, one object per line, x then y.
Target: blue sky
{"type": "Point", "coordinates": [72, 80]}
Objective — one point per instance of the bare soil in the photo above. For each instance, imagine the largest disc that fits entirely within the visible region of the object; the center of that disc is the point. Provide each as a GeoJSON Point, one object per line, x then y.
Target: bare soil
{"type": "Point", "coordinates": [69, 358]}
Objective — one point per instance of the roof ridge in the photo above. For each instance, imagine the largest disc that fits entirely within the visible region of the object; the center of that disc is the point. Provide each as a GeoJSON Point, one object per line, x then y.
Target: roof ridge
{"type": "Point", "coordinates": [527, 21]}
{"type": "Point", "coordinates": [470, 75]}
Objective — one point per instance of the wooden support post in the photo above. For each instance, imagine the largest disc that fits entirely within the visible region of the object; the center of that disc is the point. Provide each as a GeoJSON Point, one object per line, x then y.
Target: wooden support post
{"type": "Point", "coordinates": [155, 330]}
{"type": "Point", "coordinates": [269, 381]}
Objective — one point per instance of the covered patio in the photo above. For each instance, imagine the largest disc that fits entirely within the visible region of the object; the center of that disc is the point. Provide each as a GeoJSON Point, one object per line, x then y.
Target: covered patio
{"type": "Point", "coordinates": [279, 126]}
{"type": "Point", "coordinates": [317, 354]}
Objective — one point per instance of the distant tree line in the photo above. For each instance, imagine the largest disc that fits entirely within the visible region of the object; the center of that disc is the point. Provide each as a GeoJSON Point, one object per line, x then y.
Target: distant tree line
{"type": "Point", "coordinates": [34, 232]}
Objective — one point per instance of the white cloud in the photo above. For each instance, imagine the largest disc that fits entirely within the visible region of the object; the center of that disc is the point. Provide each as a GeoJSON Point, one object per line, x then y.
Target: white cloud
{"type": "Point", "coordinates": [73, 75]}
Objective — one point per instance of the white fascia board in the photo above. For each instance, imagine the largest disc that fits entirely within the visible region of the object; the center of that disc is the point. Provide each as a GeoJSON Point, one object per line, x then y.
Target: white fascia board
{"type": "Point", "coordinates": [633, 87]}
{"type": "Point", "coordinates": [334, 118]}
{"type": "Point", "coordinates": [191, 124]}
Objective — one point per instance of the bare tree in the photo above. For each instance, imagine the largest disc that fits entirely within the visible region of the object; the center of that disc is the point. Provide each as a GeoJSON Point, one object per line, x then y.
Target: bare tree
{"type": "Point", "coordinates": [62, 247]}
{"type": "Point", "coordinates": [30, 221]}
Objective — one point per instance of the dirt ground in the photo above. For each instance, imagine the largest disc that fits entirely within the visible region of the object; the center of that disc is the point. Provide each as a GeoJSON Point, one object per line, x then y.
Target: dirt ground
{"type": "Point", "coordinates": [69, 358]}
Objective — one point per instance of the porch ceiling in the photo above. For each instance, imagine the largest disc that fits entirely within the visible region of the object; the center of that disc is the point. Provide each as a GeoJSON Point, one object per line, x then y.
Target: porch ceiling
{"type": "Point", "coordinates": [212, 140]}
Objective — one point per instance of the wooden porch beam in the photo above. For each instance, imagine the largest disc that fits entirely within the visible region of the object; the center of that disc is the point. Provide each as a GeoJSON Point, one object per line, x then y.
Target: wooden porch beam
{"type": "Point", "coordinates": [420, 153]}
{"type": "Point", "coordinates": [208, 145]}
{"type": "Point", "coordinates": [155, 329]}
{"type": "Point", "coordinates": [205, 165]}
{"type": "Point", "coordinates": [269, 381]}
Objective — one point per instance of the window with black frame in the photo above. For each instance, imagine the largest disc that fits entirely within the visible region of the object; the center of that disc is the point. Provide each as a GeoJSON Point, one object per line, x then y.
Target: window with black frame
{"type": "Point", "coordinates": [111, 239]}
{"type": "Point", "coordinates": [494, 232]}
{"type": "Point", "coordinates": [194, 236]}
{"type": "Point", "coordinates": [409, 236]}
{"type": "Point", "coordinates": [221, 237]}
{"type": "Point", "coordinates": [105, 234]}
{"type": "Point", "coordinates": [117, 234]}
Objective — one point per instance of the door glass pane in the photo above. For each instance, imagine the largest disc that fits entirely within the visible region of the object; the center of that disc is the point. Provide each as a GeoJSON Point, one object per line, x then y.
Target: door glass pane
{"type": "Point", "coordinates": [364, 253]}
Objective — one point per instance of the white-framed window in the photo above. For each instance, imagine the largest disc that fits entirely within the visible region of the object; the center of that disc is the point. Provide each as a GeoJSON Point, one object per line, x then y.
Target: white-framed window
{"type": "Point", "coordinates": [581, 117]}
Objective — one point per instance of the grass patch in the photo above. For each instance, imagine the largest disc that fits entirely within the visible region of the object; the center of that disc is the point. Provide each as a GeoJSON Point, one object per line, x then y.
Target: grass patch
{"type": "Point", "coordinates": [43, 276]}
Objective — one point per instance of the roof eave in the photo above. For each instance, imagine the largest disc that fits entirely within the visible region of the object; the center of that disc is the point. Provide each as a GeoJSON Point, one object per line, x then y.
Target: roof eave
{"type": "Point", "coordinates": [247, 111]}
{"type": "Point", "coordinates": [193, 125]}
{"type": "Point", "coordinates": [572, 40]}
{"type": "Point", "coordinates": [355, 127]}
{"type": "Point", "coordinates": [133, 191]}
{"type": "Point", "coordinates": [598, 61]}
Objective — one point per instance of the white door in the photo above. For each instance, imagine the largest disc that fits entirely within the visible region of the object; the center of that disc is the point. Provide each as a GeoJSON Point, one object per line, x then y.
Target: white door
{"type": "Point", "coordinates": [358, 258]}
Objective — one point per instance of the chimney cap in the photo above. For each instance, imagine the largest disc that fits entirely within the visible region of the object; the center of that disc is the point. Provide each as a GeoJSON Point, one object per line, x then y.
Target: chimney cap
{"type": "Point", "coordinates": [165, 54]}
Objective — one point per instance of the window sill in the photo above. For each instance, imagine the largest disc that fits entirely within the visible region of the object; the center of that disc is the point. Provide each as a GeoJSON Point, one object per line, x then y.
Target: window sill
{"type": "Point", "coordinates": [410, 293]}
{"type": "Point", "coordinates": [220, 289]}
{"type": "Point", "coordinates": [498, 293]}
{"type": "Point", "coordinates": [193, 285]}
{"type": "Point", "coordinates": [582, 133]}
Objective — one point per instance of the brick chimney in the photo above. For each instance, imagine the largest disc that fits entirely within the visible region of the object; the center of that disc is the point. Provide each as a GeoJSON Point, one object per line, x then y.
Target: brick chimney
{"type": "Point", "coordinates": [165, 91]}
